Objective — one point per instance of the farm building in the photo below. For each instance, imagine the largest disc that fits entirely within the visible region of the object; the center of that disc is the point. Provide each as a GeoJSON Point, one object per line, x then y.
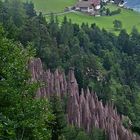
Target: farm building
{"type": "Point", "coordinates": [89, 6]}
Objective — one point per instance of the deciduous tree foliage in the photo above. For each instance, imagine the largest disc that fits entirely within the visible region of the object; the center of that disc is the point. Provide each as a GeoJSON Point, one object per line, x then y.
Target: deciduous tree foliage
{"type": "Point", "coordinates": [21, 115]}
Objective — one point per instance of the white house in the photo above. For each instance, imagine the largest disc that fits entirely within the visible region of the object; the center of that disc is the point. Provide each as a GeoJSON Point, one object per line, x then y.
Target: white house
{"type": "Point", "coordinates": [105, 1]}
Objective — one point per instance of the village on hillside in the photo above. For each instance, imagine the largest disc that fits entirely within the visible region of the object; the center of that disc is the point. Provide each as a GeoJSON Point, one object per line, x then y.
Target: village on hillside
{"type": "Point", "coordinates": [93, 7]}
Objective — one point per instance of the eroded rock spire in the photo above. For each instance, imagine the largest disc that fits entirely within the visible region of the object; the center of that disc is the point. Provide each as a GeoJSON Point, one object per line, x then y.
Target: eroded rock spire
{"type": "Point", "coordinates": [83, 109]}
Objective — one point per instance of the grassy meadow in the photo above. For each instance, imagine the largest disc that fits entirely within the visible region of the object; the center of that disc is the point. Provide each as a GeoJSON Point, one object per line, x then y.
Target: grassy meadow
{"type": "Point", "coordinates": [128, 18]}
{"type": "Point", "coordinates": [48, 6]}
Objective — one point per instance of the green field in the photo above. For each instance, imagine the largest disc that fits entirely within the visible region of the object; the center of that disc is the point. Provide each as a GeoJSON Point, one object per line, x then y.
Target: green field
{"type": "Point", "coordinates": [129, 18]}
{"type": "Point", "coordinates": [48, 6]}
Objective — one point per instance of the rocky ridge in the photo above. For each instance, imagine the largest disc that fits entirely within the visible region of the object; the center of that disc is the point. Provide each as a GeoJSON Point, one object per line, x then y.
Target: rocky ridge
{"type": "Point", "coordinates": [83, 108]}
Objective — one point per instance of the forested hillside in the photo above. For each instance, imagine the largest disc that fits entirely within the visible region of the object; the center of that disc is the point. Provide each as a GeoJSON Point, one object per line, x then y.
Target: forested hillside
{"type": "Point", "coordinates": [106, 63]}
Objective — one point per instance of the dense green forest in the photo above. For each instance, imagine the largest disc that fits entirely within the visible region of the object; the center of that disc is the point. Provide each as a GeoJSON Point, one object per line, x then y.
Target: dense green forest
{"type": "Point", "coordinates": [106, 63]}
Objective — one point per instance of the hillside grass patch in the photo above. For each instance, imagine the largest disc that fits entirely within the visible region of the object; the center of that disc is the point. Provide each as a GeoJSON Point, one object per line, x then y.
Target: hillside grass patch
{"type": "Point", "coordinates": [49, 6]}
{"type": "Point", "coordinates": [128, 18]}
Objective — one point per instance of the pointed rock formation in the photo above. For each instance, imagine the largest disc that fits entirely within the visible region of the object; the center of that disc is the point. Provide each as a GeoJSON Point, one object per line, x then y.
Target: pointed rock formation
{"type": "Point", "coordinates": [84, 109]}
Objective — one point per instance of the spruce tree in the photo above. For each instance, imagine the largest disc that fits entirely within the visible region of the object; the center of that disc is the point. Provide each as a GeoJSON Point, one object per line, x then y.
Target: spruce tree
{"type": "Point", "coordinates": [59, 122]}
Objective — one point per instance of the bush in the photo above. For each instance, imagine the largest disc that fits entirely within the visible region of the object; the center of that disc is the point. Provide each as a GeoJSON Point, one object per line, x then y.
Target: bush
{"type": "Point", "coordinates": [118, 11]}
